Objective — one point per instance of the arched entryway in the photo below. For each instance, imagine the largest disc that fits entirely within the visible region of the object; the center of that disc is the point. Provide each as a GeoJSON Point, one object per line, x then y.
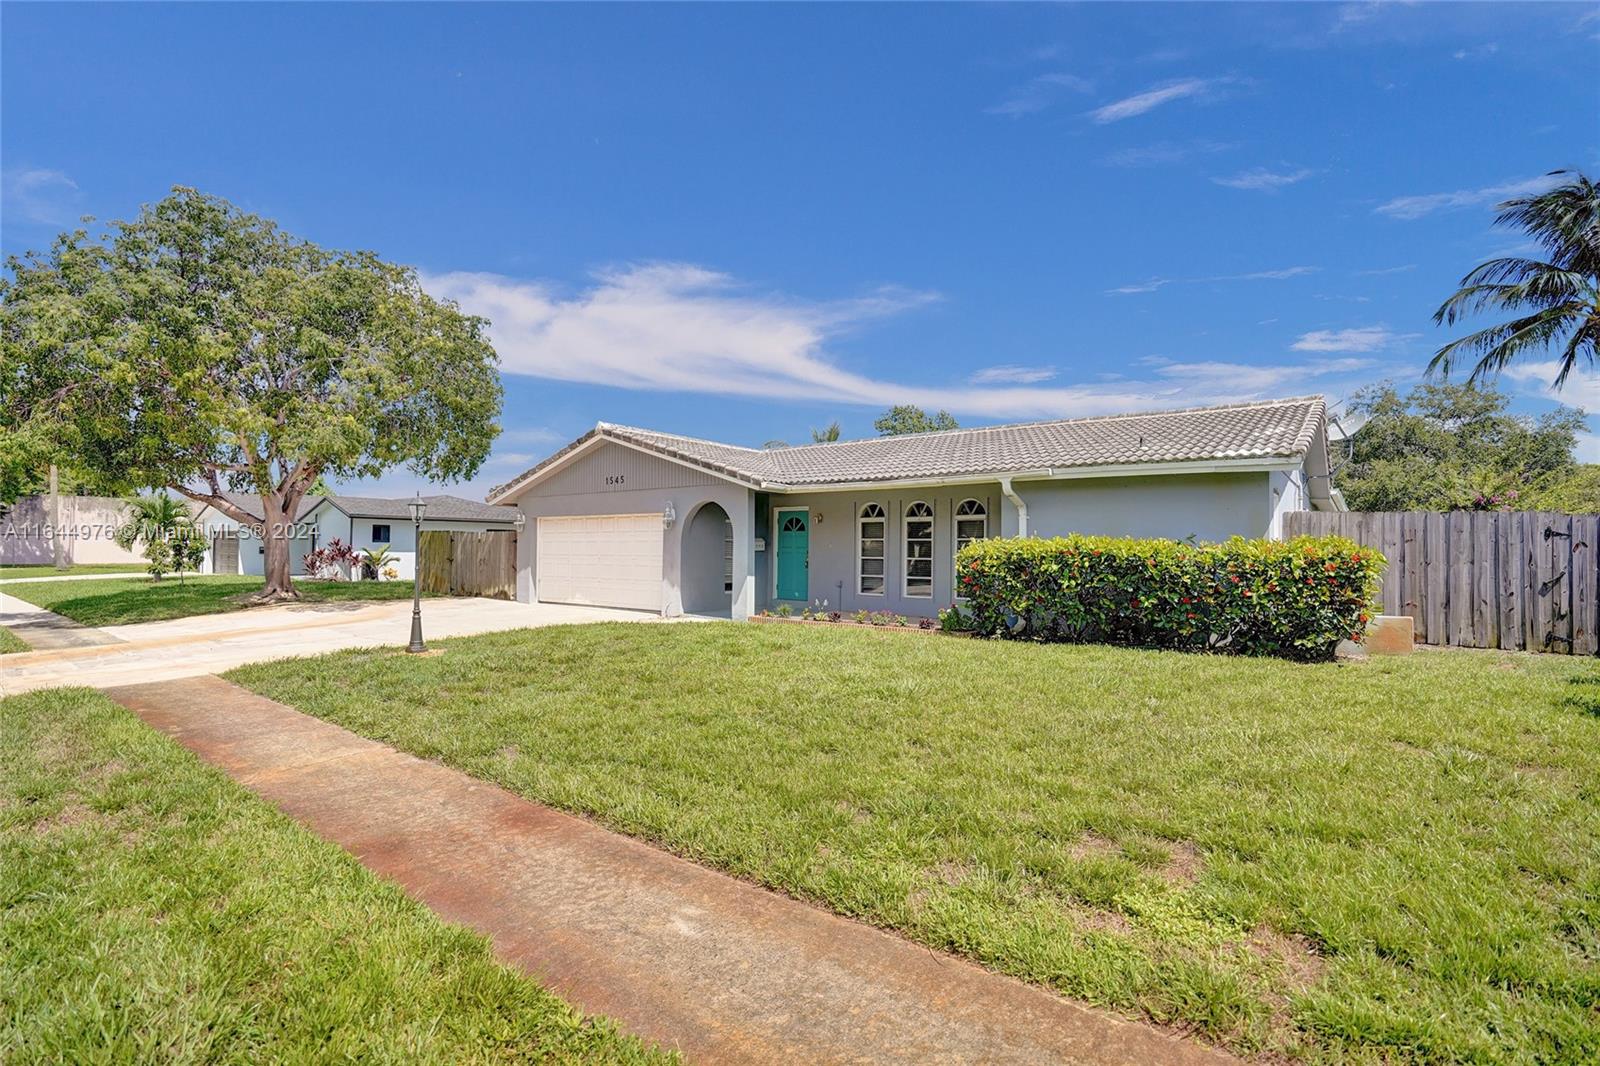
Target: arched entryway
{"type": "Point", "coordinates": [707, 562]}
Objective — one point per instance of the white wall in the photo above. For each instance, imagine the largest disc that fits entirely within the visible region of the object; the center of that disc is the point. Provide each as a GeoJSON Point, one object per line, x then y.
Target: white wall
{"type": "Point", "coordinates": [27, 533]}
{"type": "Point", "coordinates": [331, 522]}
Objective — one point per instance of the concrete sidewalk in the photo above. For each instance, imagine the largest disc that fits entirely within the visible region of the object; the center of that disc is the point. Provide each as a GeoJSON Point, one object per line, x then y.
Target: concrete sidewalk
{"type": "Point", "coordinates": [45, 630]}
{"type": "Point", "coordinates": [68, 577]}
{"type": "Point", "coordinates": [679, 954]}
{"type": "Point", "coordinates": [212, 643]}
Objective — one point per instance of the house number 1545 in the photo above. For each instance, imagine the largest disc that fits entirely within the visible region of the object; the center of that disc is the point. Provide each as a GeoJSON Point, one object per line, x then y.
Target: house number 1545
{"type": "Point", "coordinates": [613, 479]}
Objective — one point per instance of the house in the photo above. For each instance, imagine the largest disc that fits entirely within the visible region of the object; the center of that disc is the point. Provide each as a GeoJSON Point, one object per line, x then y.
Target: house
{"type": "Point", "coordinates": [365, 522]}
{"type": "Point", "coordinates": [633, 518]}
{"type": "Point", "coordinates": [360, 521]}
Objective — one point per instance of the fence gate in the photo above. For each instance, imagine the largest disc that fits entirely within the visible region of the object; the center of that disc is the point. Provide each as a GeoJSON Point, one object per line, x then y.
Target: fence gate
{"type": "Point", "coordinates": [455, 563]}
{"type": "Point", "coordinates": [1517, 580]}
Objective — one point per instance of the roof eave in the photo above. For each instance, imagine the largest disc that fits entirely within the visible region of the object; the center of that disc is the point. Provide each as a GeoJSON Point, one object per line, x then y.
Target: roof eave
{"type": "Point", "coordinates": [1240, 465]}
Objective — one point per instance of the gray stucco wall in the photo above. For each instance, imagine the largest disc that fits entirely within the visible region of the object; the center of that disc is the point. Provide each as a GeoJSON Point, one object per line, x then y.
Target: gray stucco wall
{"type": "Point", "coordinates": [1208, 507]}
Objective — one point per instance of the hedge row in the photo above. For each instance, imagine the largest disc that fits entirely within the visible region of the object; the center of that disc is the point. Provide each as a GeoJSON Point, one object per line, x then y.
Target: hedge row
{"type": "Point", "coordinates": [1294, 599]}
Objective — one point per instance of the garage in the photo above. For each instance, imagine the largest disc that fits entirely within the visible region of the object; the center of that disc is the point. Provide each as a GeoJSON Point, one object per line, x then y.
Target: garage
{"type": "Point", "coordinates": [600, 560]}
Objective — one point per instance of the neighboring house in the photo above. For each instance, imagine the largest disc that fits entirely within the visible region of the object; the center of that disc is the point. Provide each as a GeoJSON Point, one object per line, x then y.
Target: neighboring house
{"type": "Point", "coordinates": [366, 522]}
{"type": "Point", "coordinates": [232, 548]}
{"type": "Point", "coordinates": [633, 518]}
{"type": "Point", "coordinates": [87, 526]}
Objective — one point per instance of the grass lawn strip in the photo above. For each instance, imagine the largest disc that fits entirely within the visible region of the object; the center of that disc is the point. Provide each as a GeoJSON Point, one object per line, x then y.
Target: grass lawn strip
{"type": "Point", "coordinates": [152, 910]}
{"type": "Point", "coordinates": [124, 601]}
{"type": "Point", "coordinates": [1397, 860]}
{"type": "Point", "coordinates": [9, 571]}
{"type": "Point", "coordinates": [11, 643]}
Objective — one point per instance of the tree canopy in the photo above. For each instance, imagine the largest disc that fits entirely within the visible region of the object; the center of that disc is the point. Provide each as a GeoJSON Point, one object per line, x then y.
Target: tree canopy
{"type": "Point", "coordinates": [908, 418]}
{"type": "Point", "coordinates": [1555, 298]}
{"type": "Point", "coordinates": [201, 348]}
{"type": "Point", "coordinates": [1442, 447]}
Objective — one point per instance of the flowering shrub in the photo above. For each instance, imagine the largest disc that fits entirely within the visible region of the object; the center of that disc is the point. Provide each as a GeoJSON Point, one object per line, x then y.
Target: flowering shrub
{"type": "Point", "coordinates": [1294, 599]}
{"type": "Point", "coordinates": [331, 561]}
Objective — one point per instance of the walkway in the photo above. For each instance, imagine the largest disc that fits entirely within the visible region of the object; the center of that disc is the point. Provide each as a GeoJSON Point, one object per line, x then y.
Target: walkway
{"type": "Point", "coordinates": [678, 954]}
{"type": "Point", "coordinates": [212, 643]}
{"type": "Point", "coordinates": [45, 630]}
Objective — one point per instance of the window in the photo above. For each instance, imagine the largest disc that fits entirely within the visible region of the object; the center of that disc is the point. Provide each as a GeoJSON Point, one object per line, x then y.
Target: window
{"type": "Point", "coordinates": [380, 534]}
{"type": "Point", "coordinates": [727, 557]}
{"type": "Point", "coordinates": [919, 550]}
{"type": "Point", "coordinates": [873, 528]}
{"type": "Point", "coordinates": [972, 523]}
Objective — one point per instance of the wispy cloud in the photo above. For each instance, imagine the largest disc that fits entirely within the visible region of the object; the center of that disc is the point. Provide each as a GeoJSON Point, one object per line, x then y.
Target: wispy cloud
{"type": "Point", "coordinates": [1011, 374]}
{"type": "Point", "coordinates": [1038, 93]}
{"type": "Point", "coordinates": [1412, 207]}
{"type": "Point", "coordinates": [1260, 179]}
{"type": "Point", "coordinates": [1481, 51]}
{"type": "Point", "coordinates": [1381, 271]}
{"type": "Point", "coordinates": [1280, 274]}
{"type": "Point", "coordinates": [1154, 97]}
{"type": "Point", "coordinates": [1162, 153]}
{"type": "Point", "coordinates": [676, 327]}
{"type": "Point", "coordinates": [45, 197]}
{"type": "Point", "coordinates": [1581, 389]}
{"type": "Point", "coordinates": [1359, 339]}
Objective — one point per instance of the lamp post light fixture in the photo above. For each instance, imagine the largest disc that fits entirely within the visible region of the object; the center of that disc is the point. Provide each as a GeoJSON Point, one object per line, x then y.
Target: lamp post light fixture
{"type": "Point", "coordinates": [668, 516]}
{"type": "Point", "coordinates": [418, 509]}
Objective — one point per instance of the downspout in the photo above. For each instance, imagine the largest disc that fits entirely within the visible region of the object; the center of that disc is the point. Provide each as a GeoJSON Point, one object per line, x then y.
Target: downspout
{"type": "Point", "coordinates": [1017, 502]}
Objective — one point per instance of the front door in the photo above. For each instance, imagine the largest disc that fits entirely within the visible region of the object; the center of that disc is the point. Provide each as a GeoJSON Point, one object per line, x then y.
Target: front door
{"type": "Point", "coordinates": [794, 538]}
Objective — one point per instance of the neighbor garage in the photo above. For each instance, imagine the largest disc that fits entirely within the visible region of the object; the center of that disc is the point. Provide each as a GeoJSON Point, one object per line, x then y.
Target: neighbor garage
{"type": "Point", "coordinates": [600, 560]}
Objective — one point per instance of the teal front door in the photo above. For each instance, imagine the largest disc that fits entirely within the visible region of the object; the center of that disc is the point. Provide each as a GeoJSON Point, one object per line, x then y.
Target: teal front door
{"type": "Point", "coordinates": [794, 555]}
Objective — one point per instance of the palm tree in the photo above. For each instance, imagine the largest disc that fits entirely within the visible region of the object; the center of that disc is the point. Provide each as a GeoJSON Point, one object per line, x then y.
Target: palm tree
{"type": "Point", "coordinates": [156, 520]}
{"type": "Point", "coordinates": [826, 436]}
{"type": "Point", "coordinates": [1560, 292]}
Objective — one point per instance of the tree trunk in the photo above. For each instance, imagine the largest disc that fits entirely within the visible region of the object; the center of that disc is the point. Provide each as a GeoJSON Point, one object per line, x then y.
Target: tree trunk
{"type": "Point", "coordinates": [275, 540]}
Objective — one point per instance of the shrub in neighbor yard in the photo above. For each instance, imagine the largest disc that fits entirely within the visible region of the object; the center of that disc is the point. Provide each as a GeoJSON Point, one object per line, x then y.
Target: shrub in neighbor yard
{"type": "Point", "coordinates": [1294, 599]}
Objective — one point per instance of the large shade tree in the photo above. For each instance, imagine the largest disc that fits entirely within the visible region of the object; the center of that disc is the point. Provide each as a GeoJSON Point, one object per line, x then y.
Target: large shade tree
{"type": "Point", "coordinates": [201, 348]}
{"type": "Point", "coordinates": [1553, 296]}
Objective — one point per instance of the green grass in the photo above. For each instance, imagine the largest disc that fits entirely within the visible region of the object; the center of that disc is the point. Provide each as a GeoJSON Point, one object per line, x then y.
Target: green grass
{"type": "Point", "coordinates": [10, 642]}
{"type": "Point", "coordinates": [122, 601]}
{"type": "Point", "coordinates": [1391, 861]}
{"type": "Point", "coordinates": [153, 911]}
{"type": "Point", "coordinates": [9, 571]}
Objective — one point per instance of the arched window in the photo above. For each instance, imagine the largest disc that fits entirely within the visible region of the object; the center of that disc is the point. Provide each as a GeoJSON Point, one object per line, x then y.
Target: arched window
{"type": "Point", "coordinates": [919, 550]}
{"type": "Point", "coordinates": [972, 523]}
{"type": "Point", "coordinates": [872, 528]}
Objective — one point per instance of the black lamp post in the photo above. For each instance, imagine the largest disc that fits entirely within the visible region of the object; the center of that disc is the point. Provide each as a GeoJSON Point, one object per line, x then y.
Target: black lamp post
{"type": "Point", "coordinates": [418, 509]}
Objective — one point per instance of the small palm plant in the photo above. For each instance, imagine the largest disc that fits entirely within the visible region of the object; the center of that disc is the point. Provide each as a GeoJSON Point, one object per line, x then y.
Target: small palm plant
{"type": "Point", "coordinates": [1559, 292]}
{"type": "Point", "coordinates": [377, 561]}
{"type": "Point", "coordinates": [156, 520]}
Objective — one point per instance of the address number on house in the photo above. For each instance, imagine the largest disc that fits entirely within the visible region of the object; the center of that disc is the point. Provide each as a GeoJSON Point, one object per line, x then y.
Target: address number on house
{"type": "Point", "coordinates": [615, 479]}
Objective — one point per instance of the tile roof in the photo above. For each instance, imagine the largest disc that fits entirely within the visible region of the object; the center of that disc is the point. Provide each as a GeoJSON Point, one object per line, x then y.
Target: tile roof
{"type": "Point", "coordinates": [1270, 429]}
{"type": "Point", "coordinates": [442, 508]}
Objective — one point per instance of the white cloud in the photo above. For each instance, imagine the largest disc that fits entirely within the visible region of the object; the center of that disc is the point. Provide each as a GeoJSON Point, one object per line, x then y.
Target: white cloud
{"type": "Point", "coordinates": [1144, 286]}
{"type": "Point", "coordinates": [1360, 339]}
{"type": "Point", "coordinates": [1162, 153]}
{"type": "Point", "coordinates": [1010, 374]}
{"type": "Point", "coordinates": [1260, 179]}
{"type": "Point", "coordinates": [682, 328]}
{"type": "Point", "coordinates": [1039, 93]}
{"type": "Point", "coordinates": [1411, 207]}
{"type": "Point", "coordinates": [1581, 389]}
{"type": "Point", "coordinates": [41, 196]}
{"type": "Point", "coordinates": [1476, 52]}
{"type": "Point", "coordinates": [1153, 98]}
{"type": "Point", "coordinates": [1381, 271]}
{"type": "Point", "coordinates": [1259, 275]}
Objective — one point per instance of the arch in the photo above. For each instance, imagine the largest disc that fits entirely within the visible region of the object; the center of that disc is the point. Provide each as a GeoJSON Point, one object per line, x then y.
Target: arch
{"type": "Point", "coordinates": [917, 550]}
{"type": "Point", "coordinates": [970, 523]}
{"type": "Point", "coordinates": [705, 557]}
{"type": "Point", "coordinates": [872, 550]}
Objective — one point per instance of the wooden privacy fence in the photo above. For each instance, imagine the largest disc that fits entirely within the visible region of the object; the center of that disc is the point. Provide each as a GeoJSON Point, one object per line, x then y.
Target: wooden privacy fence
{"type": "Point", "coordinates": [1518, 580]}
{"type": "Point", "coordinates": [455, 563]}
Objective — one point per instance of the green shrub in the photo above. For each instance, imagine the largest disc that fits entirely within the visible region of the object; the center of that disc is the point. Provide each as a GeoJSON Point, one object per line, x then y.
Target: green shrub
{"type": "Point", "coordinates": [1294, 599]}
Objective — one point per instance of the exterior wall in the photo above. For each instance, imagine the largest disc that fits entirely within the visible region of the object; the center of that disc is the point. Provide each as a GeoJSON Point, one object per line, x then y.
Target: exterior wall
{"type": "Point", "coordinates": [834, 545]}
{"type": "Point", "coordinates": [614, 479]}
{"type": "Point", "coordinates": [330, 522]}
{"type": "Point", "coordinates": [1289, 493]}
{"type": "Point", "coordinates": [252, 555]}
{"type": "Point", "coordinates": [27, 532]}
{"type": "Point", "coordinates": [1207, 507]}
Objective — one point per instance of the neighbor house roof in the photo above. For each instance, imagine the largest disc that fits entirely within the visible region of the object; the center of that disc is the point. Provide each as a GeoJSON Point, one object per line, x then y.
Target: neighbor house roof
{"type": "Point", "coordinates": [1265, 430]}
{"type": "Point", "coordinates": [250, 503]}
{"type": "Point", "coordinates": [440, 508]}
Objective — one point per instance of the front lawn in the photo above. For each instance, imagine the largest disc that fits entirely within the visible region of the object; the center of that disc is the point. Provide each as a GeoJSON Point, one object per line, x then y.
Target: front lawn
{"type": "Point", "coordinates": [8, 571]}
{"type": "Point", "coordinates": [123, 601]}
{"type": "Point", "coordinates": [153, 911]}
{"type": "Point", "coordinates": [10, 642]}
{"type": "Point", "coordinates": [1397, 860]}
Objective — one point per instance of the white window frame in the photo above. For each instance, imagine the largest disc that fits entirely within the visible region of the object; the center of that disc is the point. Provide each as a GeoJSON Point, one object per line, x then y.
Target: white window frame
{"type": "Point", "coordinates": [777, 526]}
{"type": "Point", "coordinates": [906, 518]}
{"type": "Point", "coordinates": [956, 518]}
{"type": "Point", "coordinates": [861, 519]}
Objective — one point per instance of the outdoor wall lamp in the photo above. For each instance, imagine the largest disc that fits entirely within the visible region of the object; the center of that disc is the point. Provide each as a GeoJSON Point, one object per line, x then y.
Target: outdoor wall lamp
{"type": "Point", "coordinates": [418, 508]}
{"type": "Point", "coordinates": [668, 516]}
{"type": "Point", "coordinates": [521, 522]}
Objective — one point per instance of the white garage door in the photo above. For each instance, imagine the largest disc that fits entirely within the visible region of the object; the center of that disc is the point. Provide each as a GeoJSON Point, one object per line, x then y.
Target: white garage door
{"type": "Point", "coordinates": [611, 560]}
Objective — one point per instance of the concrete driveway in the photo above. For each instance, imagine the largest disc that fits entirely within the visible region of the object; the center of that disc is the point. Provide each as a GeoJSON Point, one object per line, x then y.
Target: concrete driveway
{"type": "Point", "coordinates": [209, 644]}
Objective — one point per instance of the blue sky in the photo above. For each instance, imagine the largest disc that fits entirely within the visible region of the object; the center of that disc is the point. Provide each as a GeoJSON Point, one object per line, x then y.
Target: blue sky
{"type": "Point", "coordinates": [745, 221]}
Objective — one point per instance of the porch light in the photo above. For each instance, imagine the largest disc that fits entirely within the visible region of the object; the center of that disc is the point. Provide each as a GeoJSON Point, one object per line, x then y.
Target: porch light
{"type": "Point", "coordinates": [520, 522]}
{"type": "Point", "coordinates": [668, 516]}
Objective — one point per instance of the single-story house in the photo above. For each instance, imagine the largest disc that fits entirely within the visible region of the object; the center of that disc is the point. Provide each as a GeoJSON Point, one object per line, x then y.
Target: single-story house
{"type": "Point", "coordinates": [365, 522]}
{"type": "Point", "coordinates": [633, 518]}
{"type": "Point", "coordinates": [361, 521]}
